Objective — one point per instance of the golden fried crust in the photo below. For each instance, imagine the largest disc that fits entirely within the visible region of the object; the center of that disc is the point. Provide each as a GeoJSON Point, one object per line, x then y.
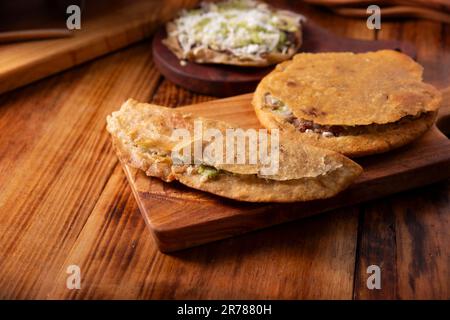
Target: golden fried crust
{"type": "Point", "coordinates": [248, 188]}
{"type": "Point", "coordinates": [354, 105]}
{"type": "Point", "coordinates": [212, 56]}
{"type": "Point", "coordinates": [308, 174]}
{"type": "Point", "coordinates": [158, 167]}
{"type": "Point", "coordinates": [354, 146]}
{"type": "Point", "coordinates": [352, 89]}
{"type": "Point", "coordinates": [253, 189]}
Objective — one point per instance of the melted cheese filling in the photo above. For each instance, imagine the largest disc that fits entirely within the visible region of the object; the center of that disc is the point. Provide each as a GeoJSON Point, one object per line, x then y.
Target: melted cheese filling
{"type": "Point", "coordinates": [280, 109]}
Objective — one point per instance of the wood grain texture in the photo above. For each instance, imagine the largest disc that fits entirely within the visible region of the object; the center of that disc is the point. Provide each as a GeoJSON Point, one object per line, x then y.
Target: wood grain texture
{"type": "Point", "coordinates": [106, 27]}
{"type": "Point", "coordinates": [83, 211]}
{"type": "Point", "coordinates": [53, 172]}
{"type": "Point", "coordinates": [37, 34]}
{"type": "Point", "coordinates": [431, 10]}
{"type": "Point", "coordinates": [404, 234]}
{"type": "Point", "coordinates": [407, 236]}
{"type": "Point", "coordinates": [320, 248]}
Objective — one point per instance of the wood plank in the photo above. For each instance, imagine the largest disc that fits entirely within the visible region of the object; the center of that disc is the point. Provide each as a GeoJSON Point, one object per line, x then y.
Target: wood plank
{"type": "Point", "coordinates": [377, 246]}
{"type": "Point", "coordinates": [423, 246]}
{"type": "Point", "coordinates": [119, 260]}
{"type": "Point", "coordinates": [106, 26]}
{"type": "Point", "coordinates": [113, 250]}
{"type": "Point", "coordinates": [407, 235]}
{"type": "Point", "coordinates": [56, 160]}
{"type": "Point", "coordinates": [170, 95]}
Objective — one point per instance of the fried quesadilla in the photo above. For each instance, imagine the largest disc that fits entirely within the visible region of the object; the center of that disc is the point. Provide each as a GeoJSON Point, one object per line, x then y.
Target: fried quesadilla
{"type": "Point", "coordinates": [235, 32]}
{"type": "Point", "coordinates": [355, 104]}
{"type": "Point", "coordinates": [143, 138]}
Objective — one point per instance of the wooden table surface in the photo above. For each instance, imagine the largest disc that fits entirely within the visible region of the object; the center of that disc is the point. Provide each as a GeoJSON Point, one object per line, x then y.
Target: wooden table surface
{"type": "Point", "coordinates": [64, 200]}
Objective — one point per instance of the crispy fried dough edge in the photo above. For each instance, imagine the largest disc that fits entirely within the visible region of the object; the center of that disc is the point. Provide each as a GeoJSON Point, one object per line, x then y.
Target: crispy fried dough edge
{"type": "Point", "coordinates": [404, 100]}
{"type": "Point", "coordinates": [351, 146]}
{"type": "Point", "coordinates": [253, 189]}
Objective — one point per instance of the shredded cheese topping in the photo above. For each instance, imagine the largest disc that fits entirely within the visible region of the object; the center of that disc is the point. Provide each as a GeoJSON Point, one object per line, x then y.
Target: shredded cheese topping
{"type": "Point", "coordinates": [241, 27]}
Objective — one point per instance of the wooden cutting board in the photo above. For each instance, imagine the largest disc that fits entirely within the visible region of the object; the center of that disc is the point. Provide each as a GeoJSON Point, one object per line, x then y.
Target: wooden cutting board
{"type": "Point", "coordinates": [105, 26]}
{"type": "Point", "coordinates": [179, 217]}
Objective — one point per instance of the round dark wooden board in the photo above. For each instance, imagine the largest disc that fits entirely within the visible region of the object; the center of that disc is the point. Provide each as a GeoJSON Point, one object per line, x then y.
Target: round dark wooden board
{"type": "Point", "coordinates": [223, 80]}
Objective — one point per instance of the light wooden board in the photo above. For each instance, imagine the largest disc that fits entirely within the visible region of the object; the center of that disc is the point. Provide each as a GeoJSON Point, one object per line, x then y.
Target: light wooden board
{"type": "Point", "coordinates": [104, 28]}
{"type": "Point", "coordinates": [179, 217]}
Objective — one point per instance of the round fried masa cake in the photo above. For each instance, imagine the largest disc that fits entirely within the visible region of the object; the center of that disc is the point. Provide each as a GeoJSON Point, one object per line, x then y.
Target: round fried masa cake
{"type": "Point", "coordinates": [355, 104]}
{"type": "Point", "coordinates": [235, 32]}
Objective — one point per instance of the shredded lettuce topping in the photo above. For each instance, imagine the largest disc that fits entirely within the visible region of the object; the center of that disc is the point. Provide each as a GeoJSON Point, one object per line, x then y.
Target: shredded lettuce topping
{"type": "Point", "coordinates": [242, 27]}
